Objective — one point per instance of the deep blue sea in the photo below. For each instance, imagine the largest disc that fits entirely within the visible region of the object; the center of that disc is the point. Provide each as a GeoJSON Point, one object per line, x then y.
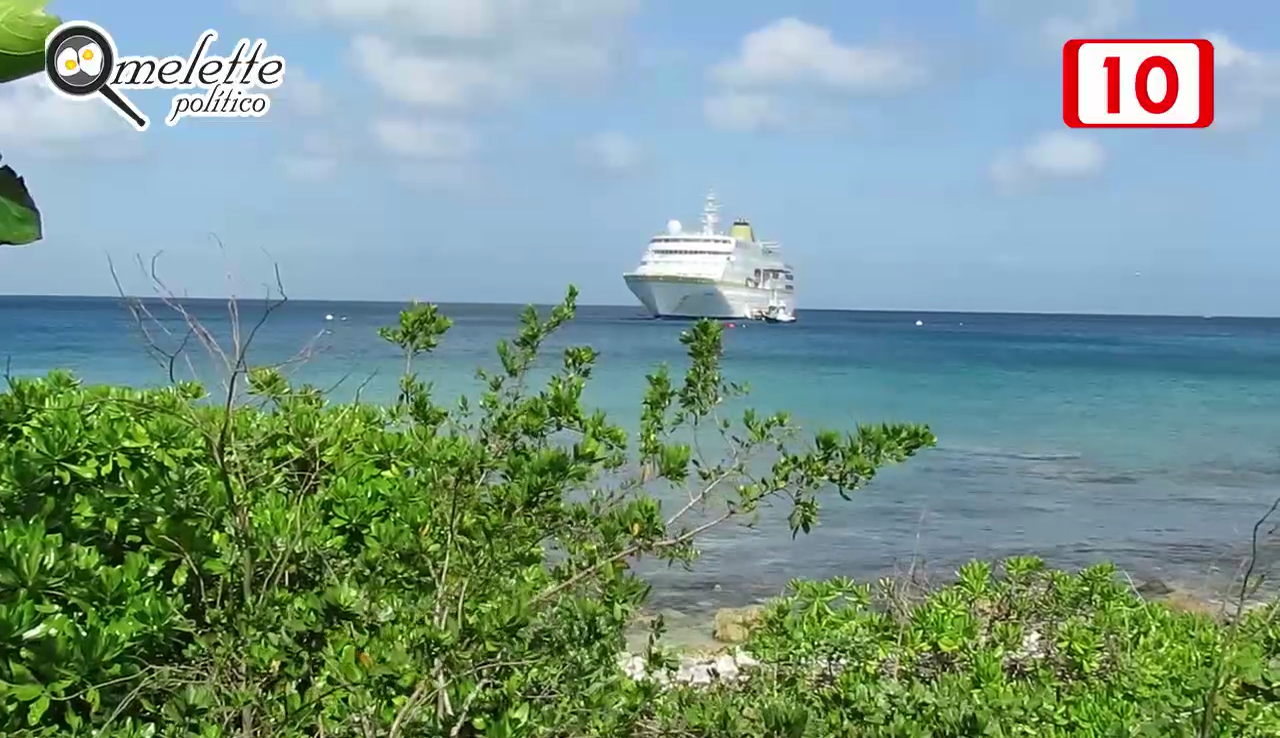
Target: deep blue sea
{"type": "Point", "coordinates": [1151, 441]}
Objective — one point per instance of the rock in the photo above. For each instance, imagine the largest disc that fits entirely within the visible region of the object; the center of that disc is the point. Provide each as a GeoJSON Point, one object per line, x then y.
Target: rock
{"type": "Point", "coordinates": [1189, 603]}
{"type": "Point", "coordinates": [1033, 646]}
{"type": "Point", "coordinates": [693, 669]}
{"type": "Point", "coordinates": [734, 624]}
{"type": "Point", "coordinates": [725, 667]}
{"type": "Point", "coordinates": [694, 673]}
{"type": "Point", "coordinates": [632, 665]}
{"type": "Point", "coordinates": [643, 619]}
{"type": "Point", "coordinates": [1154, 588]}
{"type": "Point", "coordinates": [1180, 600]}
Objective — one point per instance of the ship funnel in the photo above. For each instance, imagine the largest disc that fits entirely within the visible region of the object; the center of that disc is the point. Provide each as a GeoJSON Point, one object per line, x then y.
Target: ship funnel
{"type": "Point", "coordinates": [741, 230]}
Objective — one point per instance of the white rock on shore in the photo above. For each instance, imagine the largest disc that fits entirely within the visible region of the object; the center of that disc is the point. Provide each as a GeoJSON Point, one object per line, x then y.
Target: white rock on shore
{"type": "Point", "coordinates": [697, 670]}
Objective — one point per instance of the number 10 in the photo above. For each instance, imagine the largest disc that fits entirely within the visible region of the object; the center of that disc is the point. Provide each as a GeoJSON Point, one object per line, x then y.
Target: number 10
{"type": "Point", "coordinates": [1142, 84]}
{"type": "Point", "coordinates": [1109, 83]}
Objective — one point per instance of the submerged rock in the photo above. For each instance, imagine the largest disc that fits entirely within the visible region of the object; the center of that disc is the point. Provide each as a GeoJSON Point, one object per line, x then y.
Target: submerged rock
{"type": "Point", "coordinates": [734, 624]}
{"type": "Point", "coordinates": [1181, 599]}
{"type": "Point", "coordinates": [1153, 588]}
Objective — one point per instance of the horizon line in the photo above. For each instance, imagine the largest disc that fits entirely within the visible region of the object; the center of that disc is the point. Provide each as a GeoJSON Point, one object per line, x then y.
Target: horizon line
{"type": "Point", "coordinates": [921, 311]}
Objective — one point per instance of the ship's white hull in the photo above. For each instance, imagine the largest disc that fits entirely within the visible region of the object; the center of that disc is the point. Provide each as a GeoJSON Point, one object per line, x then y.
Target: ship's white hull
{"type": "Point", "coordinates": [674, 297]}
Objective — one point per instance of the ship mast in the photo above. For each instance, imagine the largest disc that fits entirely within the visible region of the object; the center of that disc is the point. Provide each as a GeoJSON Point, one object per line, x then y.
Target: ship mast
{"type": "Point", "coordinates": [710, 215]}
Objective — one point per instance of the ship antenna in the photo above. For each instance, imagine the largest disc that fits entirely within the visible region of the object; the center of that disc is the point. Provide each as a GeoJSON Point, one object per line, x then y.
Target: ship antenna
{"type": "Point", "coordinates": [710, 215]}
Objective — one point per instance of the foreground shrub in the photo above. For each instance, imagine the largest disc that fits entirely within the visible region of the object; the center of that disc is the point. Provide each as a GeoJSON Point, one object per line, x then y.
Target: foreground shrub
{"type": "Point", "coordinates": [183, 565]}
{"type": "Point", "coordinates": [1034, 652]}
{"type": "Point", "coordinates": [179, 564]}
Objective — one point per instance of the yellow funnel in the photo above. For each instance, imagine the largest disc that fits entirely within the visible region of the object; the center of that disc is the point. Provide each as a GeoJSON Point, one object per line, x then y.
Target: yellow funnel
{"type": "Point", "coordinates": [741, 230]}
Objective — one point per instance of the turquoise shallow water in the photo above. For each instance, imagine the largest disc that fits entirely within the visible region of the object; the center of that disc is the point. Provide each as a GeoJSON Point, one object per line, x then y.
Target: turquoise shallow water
{"type": "Point", "coordinates": [1154, 442]}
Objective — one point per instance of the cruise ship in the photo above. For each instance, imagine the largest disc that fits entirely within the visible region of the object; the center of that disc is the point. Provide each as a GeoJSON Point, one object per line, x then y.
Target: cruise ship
{"type": "Point", "coordinates": [710, 274]}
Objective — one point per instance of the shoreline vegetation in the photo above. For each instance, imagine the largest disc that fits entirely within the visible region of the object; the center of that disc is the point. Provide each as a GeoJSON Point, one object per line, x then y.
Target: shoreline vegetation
{"type": "Point", "coordinates": [260, 561]}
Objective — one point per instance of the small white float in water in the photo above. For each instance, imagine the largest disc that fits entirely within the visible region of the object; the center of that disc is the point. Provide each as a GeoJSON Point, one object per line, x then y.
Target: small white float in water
{"type": "Point", "coordinates": [919, 322]}
{"type": "Point", "coordinates": [328, 317]}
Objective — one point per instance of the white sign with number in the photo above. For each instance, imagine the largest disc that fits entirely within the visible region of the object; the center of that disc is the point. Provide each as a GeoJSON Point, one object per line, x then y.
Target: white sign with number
{"type": "Point", "coordinates": [1137, 83]}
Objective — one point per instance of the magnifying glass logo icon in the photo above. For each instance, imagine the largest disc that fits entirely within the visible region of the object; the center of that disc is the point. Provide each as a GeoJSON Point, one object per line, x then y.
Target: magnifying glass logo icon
{"type": "Point", "coordinates": [79, 58]}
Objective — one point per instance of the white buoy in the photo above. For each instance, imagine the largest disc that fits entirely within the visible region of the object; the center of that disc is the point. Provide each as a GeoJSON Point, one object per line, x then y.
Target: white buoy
{"type": "Point", "coordinates": [328, 317]}
{"type": "Point", "coordinates": [919, 322]}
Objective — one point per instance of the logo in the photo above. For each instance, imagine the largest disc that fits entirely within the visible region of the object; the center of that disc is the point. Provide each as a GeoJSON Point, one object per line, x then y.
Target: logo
{"type": "Point", "coordinates": [1137, 83]}
{"type": "Point", "coordinates": [81, 61]}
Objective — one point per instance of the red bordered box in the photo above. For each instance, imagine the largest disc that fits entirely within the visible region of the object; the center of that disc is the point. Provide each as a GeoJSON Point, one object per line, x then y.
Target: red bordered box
{"type": "Point", "coordinates": [1137, 83]}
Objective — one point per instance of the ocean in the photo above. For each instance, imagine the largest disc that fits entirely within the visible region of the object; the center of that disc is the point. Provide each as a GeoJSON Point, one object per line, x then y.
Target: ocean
{"type": "Point", "coordinates": [1153, 442]}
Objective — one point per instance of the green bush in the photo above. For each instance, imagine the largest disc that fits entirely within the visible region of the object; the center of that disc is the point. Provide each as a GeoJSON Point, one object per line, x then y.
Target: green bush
{"type": "Point", "coordinates": [264, 562]}
{"type": "Point", "coordinates": [177, 564]}
{"type": "Point", "coordinates": [1034, 652]}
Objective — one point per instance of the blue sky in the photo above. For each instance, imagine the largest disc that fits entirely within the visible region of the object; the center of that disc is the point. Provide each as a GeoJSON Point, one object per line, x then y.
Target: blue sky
{"type": "Point", "coordinates": [908, 155]}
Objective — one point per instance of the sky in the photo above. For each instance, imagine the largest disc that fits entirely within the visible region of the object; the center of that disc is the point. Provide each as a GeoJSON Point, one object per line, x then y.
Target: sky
{"type": "Point", "coordinates": [907, 155]}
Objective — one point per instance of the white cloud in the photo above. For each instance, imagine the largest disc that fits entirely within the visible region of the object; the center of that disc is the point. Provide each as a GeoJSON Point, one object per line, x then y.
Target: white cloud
{"type": "Point", "coordinates": [612, 152]}
{"type": "Point", "coordinates": [459, 52]}
{"type": "Point", "coordinates": [1054, 155]}
{"type": "Point", "coordinates": [783, 65]}
{"type": "Point", "coordinates": [1095, 18]}
{"type": "Point", "coordinates": [426, 140]}
{"type": "Point", "coordinates": [316, 160]}
{"type": "Point", "coordinates": [303, 94]}
{"type": "Point", "coordinates": [455, 56]}
{"type": "Point", "coordinates": [442, 18]}
{"type": "Point", "coordinates": [34, 119]}
{"type": "Point", "coordinates": [791, 52]}
{"type": "Point", "coordinates": [439, 175]}
{"type": "Point", "coordinates": [1247, 84]}
{"type": "Point", "coordinates": [1054, 22]}
{"type": "Point", "coordinates": [318, 142]}
{"type": "Point", "coordinates": [743, 111]}
{"type": "Point", "coordinates": [309, 168]}
{"type": "Point", "coordinates": [473, 20]}
{"type": "Point", "coordinates": [408, 73]}
{"type": "Point", "coordinates": [419, 79]}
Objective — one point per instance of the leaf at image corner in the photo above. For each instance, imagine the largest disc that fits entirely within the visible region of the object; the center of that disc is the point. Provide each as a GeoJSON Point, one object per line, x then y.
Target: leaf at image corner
{"type": "Point", "coordinates": [24, 26]}
{"type": "Point", "coordinates": [19, 216]}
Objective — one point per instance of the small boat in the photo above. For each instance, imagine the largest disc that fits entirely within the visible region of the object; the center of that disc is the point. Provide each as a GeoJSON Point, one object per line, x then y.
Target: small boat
{"type": "Point", "coordinates": [778, 314]}
{"type": "Point", "coordinates": [777, 311]}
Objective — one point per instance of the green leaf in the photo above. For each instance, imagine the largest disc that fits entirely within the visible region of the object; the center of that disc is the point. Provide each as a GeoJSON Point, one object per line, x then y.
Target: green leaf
{"type": "Point", "coordinates": [19, 217]}
{"type": "Point", "coordinates": [37, 709]}
{"type": "Point", "coordinates": [24, 26]}
{"type": "Point", "coordinates": [26, 692]}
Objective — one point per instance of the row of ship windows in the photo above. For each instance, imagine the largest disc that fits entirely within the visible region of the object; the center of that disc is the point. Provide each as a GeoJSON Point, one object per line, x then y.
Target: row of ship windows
{"type": "Point", "coordinates": [695, 252]}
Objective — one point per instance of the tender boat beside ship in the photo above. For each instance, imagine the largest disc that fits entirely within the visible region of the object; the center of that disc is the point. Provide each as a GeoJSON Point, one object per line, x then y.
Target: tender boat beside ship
{"type": "Point", "coordinates": [710, 274]}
